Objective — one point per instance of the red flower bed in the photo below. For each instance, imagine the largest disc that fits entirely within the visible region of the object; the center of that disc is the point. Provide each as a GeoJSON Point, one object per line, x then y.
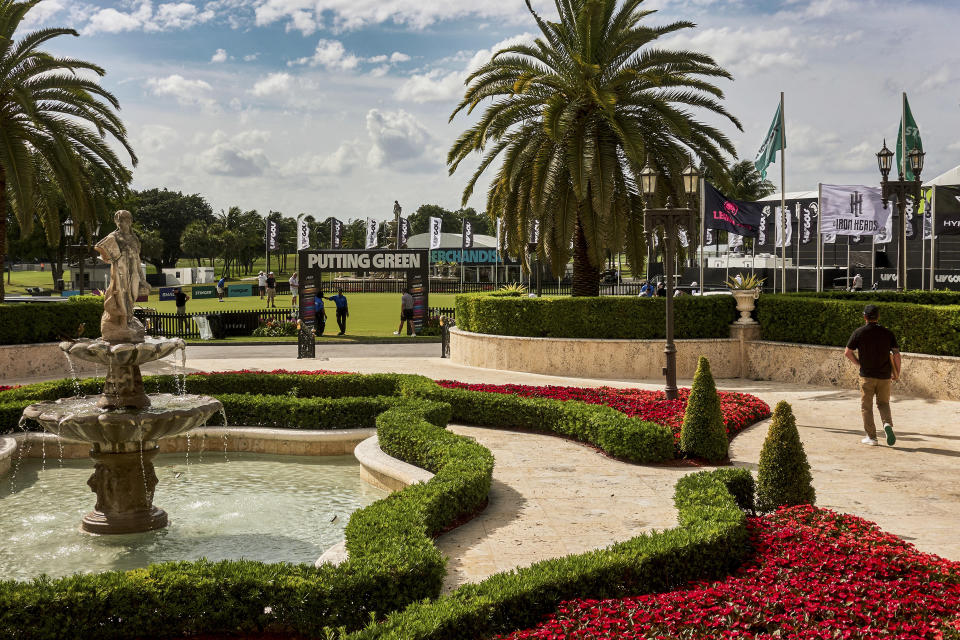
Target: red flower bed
{"type": "Point", "coordinates": [318, 372]}
{"type": "Point", "coordinates": [814, 574]}
{"type": "Point", "coordinates": [4, 387]}
{"type": "Point", "coordinates": [740, 410]}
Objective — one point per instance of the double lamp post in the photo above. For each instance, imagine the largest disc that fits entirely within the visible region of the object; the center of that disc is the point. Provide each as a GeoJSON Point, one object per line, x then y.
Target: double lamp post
{"type": "Point", "coordinates": [900, 190]}
{"type": "Point", "coordinates": [671, 219]}
{"type": "Point", "coordinates": [82, 250]}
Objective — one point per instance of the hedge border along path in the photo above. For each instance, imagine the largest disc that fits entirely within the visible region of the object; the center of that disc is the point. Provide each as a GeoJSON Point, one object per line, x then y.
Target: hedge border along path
{"type": "Point", "coordinates": [392, 560]}
{"type": "Point", "coordinates": [804, 319]}
{"type": "Point", "coordinates": [607, 317]}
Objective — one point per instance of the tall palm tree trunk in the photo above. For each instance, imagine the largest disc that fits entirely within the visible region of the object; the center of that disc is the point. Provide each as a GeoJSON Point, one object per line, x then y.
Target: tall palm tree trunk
{"type": "Point", "coordinates": [586, 276]}
{"type": "Point", "coordinates": [3, 228]}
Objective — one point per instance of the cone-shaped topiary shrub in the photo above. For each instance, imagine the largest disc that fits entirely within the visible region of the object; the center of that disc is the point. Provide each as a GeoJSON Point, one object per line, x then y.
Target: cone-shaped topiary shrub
{"type": "Point", "coordinates": [784, 475]}
{"type": "Point", "coordinates": [703, 434]}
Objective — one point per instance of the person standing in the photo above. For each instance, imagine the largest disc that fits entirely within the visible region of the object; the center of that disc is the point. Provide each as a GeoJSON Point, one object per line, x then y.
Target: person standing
{"type": "Point", "coordinates": [180, 300]}
{"type": "Point", "coordinates": [271, 290]}
{"type": "Point", "coordinates": [294, 287]}
{"type": "Point", "coordinates": [857, 283]}
{"type": "Point", "coordinates": [342, 311]}
{"type": "Point", "coordinates": [406, 313]}
{"type": "Point", "coordinates": [262, 284]}
{"type": "Point", "coordinates": [221, 283]}
{"type": "Point", "coordinates": [319, 314]}
{"type": "Point", "coordinates": [878, 356]}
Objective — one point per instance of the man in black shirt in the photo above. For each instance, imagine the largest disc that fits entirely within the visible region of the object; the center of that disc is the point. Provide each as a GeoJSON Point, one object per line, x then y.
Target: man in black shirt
{"type": "Point", "coordinates": [180, 300]}
{"type": "Point", "coordinates": [878, 356]}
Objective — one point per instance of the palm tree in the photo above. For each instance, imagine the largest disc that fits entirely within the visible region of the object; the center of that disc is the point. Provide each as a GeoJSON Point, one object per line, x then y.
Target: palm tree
{"type": "Point", "coordinates": [52, 116]}
{"type": "Point", "coordinates": [576, 115]}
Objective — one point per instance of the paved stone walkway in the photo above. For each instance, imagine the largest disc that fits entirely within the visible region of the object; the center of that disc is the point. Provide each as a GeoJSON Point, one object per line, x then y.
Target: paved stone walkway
{"type": "Point", "coordinates": [912, 489]}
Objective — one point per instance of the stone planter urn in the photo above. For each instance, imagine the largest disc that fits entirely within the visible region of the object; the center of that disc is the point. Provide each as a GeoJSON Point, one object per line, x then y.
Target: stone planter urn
{"type": "Point", "coordinates": [745, 304]}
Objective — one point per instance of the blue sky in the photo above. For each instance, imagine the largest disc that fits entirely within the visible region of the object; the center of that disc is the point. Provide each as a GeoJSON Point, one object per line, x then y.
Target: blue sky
{"type": "Point", "coordinates": [338, 107]}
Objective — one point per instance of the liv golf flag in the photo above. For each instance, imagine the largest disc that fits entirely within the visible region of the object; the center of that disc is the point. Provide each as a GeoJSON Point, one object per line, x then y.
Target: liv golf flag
{"type": "Point", "coordinates": [404, 231]}
{"type": "Point", "coordinates": [272, 241]}
{"type": "Point", "coordinates": [435, 232]}
{"type": "Point", "coordinates": [372, 227]}
{"type": "Point", "coordinates": [336, 233]}
{"type": "Point", "coordinates": [775, 140]}
{"type": "Point", "coordinates": [733, 216]}
{"type": "Point", "coordinates": [852, 210]}
{"type": "Point", "coordinates": [912, 142]}
{"type": "Point", "coordinates": [303, 234]}
{"type": "Point", "coordinates": [467, 240]}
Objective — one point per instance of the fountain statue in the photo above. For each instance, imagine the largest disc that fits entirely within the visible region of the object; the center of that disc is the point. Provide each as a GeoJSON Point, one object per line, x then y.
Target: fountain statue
{"type": "Point", "coordinates": [123, 424]}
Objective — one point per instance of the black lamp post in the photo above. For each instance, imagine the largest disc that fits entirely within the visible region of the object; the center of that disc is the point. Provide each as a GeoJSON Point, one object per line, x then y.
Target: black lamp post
{"type": "Point", "coordinates": [81, 249]}
{"type": "Point", "coordinates": [900, 190]}
{"type": "Point", "coordinates": [671, 219]}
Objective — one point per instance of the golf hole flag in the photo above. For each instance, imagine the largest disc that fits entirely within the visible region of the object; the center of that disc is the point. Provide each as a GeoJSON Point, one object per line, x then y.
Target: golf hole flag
{"type": "Point", "coordinates": [733, 216]}
{"type": "Point", "coordinates": [303, 234]}
{"type": "Point", "coordinates": [435, 224]}
{"type": "Point", "coordinates": [372, 227]}
{"type": "Point", "coordinates": [852, 210]}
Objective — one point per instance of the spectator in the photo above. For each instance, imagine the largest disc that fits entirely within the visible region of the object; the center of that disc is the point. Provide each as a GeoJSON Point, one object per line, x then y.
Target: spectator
{"type": "Point", "coordinates": [661, 290]}
{"type": "Point", "coordinates": [221, 283]}
{"type": "Point", "coordinates": [262, 284]}
{"type": "Point", "coordinates": [874, 349]}
{"type": "Point", "coordinates": [342, 311]}
{"type": "Point", "coordinates": [857, 282]}
{"type": "Point", "coordinates": [406, 313]}
{"type": "Point", "coordinates": [271, 290]}
{"type": "Point", "coordinates": [320, 314]}
{"type": "Point", "coordinates": [646, 290]}
{"type": "Point", "coordinates": [180, 300]}
{"type": "Point", "coordinates": [294, 287]}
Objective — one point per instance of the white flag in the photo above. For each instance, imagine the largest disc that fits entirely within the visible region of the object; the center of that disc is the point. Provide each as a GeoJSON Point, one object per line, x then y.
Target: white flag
{"type": "Point", "coordinates": [707, 237]}
{"type": "Point", "coordinates": [852, 210]}
{"type": "Point", "coordinates": [781, 219]}
{"type": "Point", "coordinates": [682, 236]}
{"type": "Point", "coordinates": [435, 224]}
{"type": "Point", "coordinates": [735, 241]}
{"type": "Point", "coordinates": [303, 234]}
{"type": "Point", "coordinates": [372, 227]}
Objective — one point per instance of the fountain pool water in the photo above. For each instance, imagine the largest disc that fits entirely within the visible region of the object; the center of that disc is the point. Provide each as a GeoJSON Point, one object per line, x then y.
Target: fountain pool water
{"type": "Point", "coordinates": [258, 507]}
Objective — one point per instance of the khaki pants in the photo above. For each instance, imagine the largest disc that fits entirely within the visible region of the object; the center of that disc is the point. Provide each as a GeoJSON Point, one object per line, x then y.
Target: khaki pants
{"type": "Point", "coordinates": [870, 387]}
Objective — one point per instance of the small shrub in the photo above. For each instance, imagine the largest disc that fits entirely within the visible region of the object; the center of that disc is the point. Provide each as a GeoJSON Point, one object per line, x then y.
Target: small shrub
{"type": "Point", "coordinates": [784, 477]}
{"type": "Point", "coordinates": [703, 434]}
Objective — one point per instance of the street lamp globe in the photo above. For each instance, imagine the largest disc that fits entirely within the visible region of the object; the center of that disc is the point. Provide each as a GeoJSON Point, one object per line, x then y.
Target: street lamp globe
{"type": "Point", "coordinates": [691, 180]}
{"type": "Point", "coordinates": [916, 162]}
{"type": "Point", "coordinates": [68, 228]}
{"type": "Point", "coordinates": [648, 180]}
{"type": "Point", "coordinates": [885, 160]}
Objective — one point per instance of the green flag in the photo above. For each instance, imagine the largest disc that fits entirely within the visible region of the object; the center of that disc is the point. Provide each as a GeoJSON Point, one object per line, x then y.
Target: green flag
{"type": "Point", "coordinates": [776, 139]}
{"type": "Point", "coordinates": [913, 139]}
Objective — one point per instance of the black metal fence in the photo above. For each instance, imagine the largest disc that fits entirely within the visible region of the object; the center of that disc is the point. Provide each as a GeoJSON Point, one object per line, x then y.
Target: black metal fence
{"type": "Point", "coordinates": [437, 285]}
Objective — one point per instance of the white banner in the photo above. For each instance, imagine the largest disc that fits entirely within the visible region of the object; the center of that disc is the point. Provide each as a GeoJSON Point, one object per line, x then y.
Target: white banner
{"type": "Point", "coordinates": [682, 236]}
{"type": "Point", "coordinates": [303, 234]}
{"type": "Point", "coordinates": [779, 221]}
{"type": "Point", "coordinates": [852, 210]}
{"type": "Point", "coordinates": [435, 224]}
{"type": "Point", "coordinates": [734, 241]}
{"type": "Point", "coordinates": [372, 226]}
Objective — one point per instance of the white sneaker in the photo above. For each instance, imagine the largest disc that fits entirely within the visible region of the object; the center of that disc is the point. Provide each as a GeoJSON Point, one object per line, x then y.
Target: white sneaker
{"type": "Point", "coordinates": [870, 442]}
{"type": "Point", "coordinates": [396, 333]}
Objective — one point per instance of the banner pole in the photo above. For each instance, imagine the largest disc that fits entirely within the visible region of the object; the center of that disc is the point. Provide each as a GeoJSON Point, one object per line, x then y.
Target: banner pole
{"type": "Point", "coordinates": [848, 262]}
{"type": "Point", "coordinates": [703, 226]}
{"type": "Point", "coordinates": [819, 286]}
{"type": "Point", "coordinates": [873, 260]}
{"type": "Point", "coordinates": [797, 209]}
{"type": "Point", "coordinates": [783, 199]}
{"type": "Point", "coordinates": [902, 286]}
{"type": "Point", "coordinates": [923, 257]}
{"type": "Point", "coordinates": [933, 233]}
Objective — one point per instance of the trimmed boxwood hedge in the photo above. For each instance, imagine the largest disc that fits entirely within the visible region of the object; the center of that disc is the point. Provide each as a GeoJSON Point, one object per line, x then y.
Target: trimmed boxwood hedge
{"type": "Point", "coordinates": [915, 296]}
{"type": "Point", "coordinates": [29, 323]}
{"type": "Point", "coordinates": [393, 562]}
{"type": "Point", "coordinates": [710, 542]}
{"type": "Point", "coordinates": [919, 328]}
{"type": "Point", "coordinates": [607, 317]}
{"type": "Point", "coordinates": [346, 401]}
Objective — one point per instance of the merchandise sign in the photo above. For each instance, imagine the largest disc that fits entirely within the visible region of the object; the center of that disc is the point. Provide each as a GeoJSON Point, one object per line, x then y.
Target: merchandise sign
{"type": "Point", "coordinates": [853, 210]}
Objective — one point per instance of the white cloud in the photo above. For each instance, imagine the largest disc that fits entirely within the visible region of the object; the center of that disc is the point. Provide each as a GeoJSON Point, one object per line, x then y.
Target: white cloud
{"type": "Point", "coordinates": [339, 163]}
{"type": "Point", "coordinates": [220, 55]}
{"type": "Point", "coordinates": [113, 21]}
{"type": "Point", "coordinates": [187, 92]}
{"type": "Point", "coordinates": [398, 56]}
{"type": "Point", "coordinates": [168, 16]}
{"type": "Point", "coordinates": [235, 156]}
{"type": "Point", "coordinates": [399, 141]}
{"type": "Point", "coordinates": [153, 138]}
{"type": "Point", "coordinates": [42, 13]}
{"type": "Point", "coordinates": [331, 55]}
{"type": "Point", "coordinates": [250, 57]}
{"type": "Point", "coordinates": [938, 79]}
{"type": "Point", "coordinates": [273, 84]}
{"type": "Point", "coordinates": [744, 50]}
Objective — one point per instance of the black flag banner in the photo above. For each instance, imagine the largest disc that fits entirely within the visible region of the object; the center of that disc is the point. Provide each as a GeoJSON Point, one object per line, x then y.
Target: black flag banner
{"type": "Point", "coordinates": [467, 240]}
{"type": "Point", "coordinates": [336, 233]}
{"type": "Point", "coordinates": [404, 231]}
{"type": "Point", "coordinates": [734, 216]}
{"type": "Point", "coordinates": [272, 231]}
{"type": "Point", "coordinates": [946, 209]}
{"type": "Point", "coordinates": [803, 214]}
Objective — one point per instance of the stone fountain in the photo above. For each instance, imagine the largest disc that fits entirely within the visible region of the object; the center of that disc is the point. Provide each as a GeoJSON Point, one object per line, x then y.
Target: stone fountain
{"type": "Point", "coordinates": [123, 424]}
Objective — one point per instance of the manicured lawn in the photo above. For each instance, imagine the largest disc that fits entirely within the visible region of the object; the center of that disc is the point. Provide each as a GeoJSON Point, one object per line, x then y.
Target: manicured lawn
{"type": "Point", "coordinates": [371, 314]}
{"type": "Point", "coordinates": [20, 280]}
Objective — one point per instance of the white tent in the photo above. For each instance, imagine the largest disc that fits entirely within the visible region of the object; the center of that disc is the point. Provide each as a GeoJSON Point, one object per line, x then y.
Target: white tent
{"type": "Point", "coordinates": [791, 195]}
{"type": "Point", "coordinates": [948, 179]}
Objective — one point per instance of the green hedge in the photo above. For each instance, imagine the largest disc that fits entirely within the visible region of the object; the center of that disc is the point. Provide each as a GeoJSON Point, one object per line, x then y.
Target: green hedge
{"type": "Point", "coordinates": [807, 320]}
{"type": "Point", "coordinates": [606, 317]}
{"type": "Point", "coordinates": [330, 402]}
{"type": "Point", "coordinates": [710, 542]}
{"type": "Point", "coordinates": [916, 296]}
{"type": "Point", "coordinates": [29, 323]}
{"type": "Point", "coordinates": [392, 563]}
